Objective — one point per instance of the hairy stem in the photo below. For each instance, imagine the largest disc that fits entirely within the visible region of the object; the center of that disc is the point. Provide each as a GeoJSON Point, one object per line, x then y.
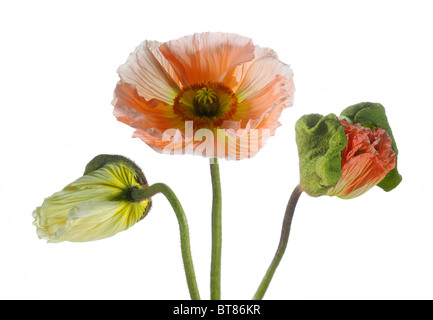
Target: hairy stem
{"type": "Point", "coordinates": [135, 195]}
{"type": "Point", "coordinates": [285, 232]}
{"type": "Point", "coordinates": [215, 282]}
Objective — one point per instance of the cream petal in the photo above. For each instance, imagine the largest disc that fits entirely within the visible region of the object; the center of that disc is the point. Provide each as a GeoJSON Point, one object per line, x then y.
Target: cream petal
{"type": "Point", "coordinates": [264, 95]}
{"type": "Point", "coordinates": [89, 221]}
{"type": "Point", "coordinates": [97, 220]}
{"type": "Point", "coordinates": [154, 46]}
{"type": "Point", "coordinates": [263, 73]}
{"type": "Point", "coordinates": [53, 213]}
{"type": "Point", "coordinates": [147, 73]}
{"type": "Point", "coordinates": [237, 73]}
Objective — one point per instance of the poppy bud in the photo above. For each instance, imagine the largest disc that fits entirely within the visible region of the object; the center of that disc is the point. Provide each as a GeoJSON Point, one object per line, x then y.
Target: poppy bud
{"type": "Point", "coordinates": [373, 115]}
{"type": "Point", "coordinates": [345, 158]}
{"type": "Point", "coordinates": [320, 142]}
{"type": "Point", "coordinates": [95, 206]}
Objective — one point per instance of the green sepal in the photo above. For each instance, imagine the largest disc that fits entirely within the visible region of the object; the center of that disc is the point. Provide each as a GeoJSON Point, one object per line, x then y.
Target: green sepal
{"type": "Point", "coordinates": [373, 115]}
{"type": "Point", "coordinates": [103, 159]}
{"type": "Point", "coordinates": [320, 140]}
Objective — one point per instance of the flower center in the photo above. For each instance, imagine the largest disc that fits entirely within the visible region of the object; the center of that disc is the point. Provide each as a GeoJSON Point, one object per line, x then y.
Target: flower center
{"type": "Point", "coordinates": [206, 103]}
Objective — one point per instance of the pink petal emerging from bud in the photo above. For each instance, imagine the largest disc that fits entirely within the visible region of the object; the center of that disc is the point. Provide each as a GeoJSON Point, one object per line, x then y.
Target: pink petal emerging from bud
{"type": "Point", "coordinates": [366, 159]}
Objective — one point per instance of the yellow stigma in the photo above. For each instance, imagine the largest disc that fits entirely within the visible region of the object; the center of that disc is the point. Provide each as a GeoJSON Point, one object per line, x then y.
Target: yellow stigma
{"type": "Point", "coordinates": [206, 96]}
{"type": "Point", "coordinates": [206, 102]}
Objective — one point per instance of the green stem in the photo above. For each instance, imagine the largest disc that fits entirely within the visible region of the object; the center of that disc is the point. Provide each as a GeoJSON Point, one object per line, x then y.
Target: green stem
{"type": "Point", "coordinates": [285, 232]}
{"type": "Point", "coordinates": [215, 275]}
{"type": "Point", "coordinates": [136, 195]}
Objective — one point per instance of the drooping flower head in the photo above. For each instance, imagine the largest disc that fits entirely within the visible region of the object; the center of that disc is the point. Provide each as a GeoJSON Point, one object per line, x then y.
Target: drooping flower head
{"type": "Point", "coordinates": [343, 159]}
{"type": "Point", "coordinates": [216, 94]}
{"type": "Point", "coordinates": [95, 206]}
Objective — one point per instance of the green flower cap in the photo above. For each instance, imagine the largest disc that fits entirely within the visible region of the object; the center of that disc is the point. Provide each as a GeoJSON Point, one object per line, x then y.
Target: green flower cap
{"type": "Point", "coordinates": [320, 140]}
{"type": "Point", "coordinates": [373, 115]}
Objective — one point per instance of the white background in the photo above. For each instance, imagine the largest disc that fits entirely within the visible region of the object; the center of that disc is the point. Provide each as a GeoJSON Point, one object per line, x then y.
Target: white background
{"type": "Point", "coordinates": [58, 71]}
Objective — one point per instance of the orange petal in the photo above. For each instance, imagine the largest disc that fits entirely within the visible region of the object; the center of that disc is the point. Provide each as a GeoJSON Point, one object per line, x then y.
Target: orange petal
{"type": "Point", "coordinates": [207, 57]}
{"type": "Point", "coordinates": [359, 175]}
{"type": "Point", "coordinates": [366, 159]}
{"type": "Point", "coordinates": [134, 110]}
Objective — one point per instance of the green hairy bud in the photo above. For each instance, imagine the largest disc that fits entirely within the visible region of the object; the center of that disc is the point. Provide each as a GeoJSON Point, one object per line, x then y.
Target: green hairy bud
{"type": "Point", "coordinates": [320, 140]}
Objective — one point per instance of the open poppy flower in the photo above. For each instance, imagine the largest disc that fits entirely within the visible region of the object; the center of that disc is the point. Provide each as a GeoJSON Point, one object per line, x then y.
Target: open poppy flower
{"type": "Point", "coordinates": [213, 94]}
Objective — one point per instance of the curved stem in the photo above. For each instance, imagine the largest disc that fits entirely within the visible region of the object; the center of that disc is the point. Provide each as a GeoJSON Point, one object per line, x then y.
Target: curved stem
{"type": "Point", "coordinates": [285, 232]}
{"type": "Point", "coordinates": [135, 195]}
{"type": "Point", "coordinates": [215, 275]}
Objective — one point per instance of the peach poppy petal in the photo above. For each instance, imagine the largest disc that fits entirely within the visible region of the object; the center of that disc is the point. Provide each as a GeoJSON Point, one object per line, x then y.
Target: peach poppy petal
{"type": "Point", "coordinates": [145, 71]}
{"type": "Point", "coordinates": [236, 140]}
{"type": "Point", "coordinates": [261, 74]}
{"type": "Point", "coordinates": [154, 48]}
{"type": "Point", "coordinates": [265, 126]}
{"type": "Point", "coordinates": [272, 99]}
{"type": "Point", "coordinates": [237, 73]}
{"type": "Point", "coordinates": [269, 120]}
{"type": "Point", "coordinates": [175, 141]}
{"type": "Point", "coordinates": [242, 143]}
{"type": "Point", "coordinates": [207, 57]}
{"type": "Point", "coordinates": [264, 95]}
{"type": "Point", "coordinates": [359, 175]}
{"type": "Point", "coordinates": [134, 110]}
{"type": "Point", "coordinates": [366, 160]}
{"type": "Point", "coordinates": [162, 142]}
